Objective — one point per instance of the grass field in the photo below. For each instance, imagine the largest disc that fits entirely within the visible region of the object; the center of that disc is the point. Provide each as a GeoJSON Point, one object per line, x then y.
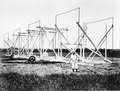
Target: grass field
{"type": "Point", "coordinates": [58, 82]}
{"type": "Point", "coordinates": [23, 76]}
{"type": "Point", "coordinates": [54, 77]}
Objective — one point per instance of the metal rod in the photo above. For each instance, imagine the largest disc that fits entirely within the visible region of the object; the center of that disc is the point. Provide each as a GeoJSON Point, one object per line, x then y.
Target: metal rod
{"type": "Point", "coordinates": [39, 39]}
{"type": "Point", "coordinates": [106, 43]}
{"type": "Point", "coordinates": [19, 42]}
{"type": "Point", "coordinates": [79, 30]}
{"type": "Point", "coordinates": [98, 49]}
{"type": "Point", "coordinates": [58, 44]}
{"type": "Point", "coordinates": [61, 45]}
{"type": "Point", "coordinates": [13, 43]}
{"type": "Point", "coordinates": [77, 46]}
{"type": "Point", "coordinates": [112, 35]}
{"type": "Point", "coordinates": [99, 20]}
{"type": "Point", "coordinates": [102, 39]}
{"type": "Point", "coordinates": [62, 14]}
{"type": "Point", "coordinates": [29, 33]}
{"type": "Point", "coordinates": [28, 41]}
{"type": "Point", "coordinates": [54, 40]}
{"type": "Point", "coordinates": [92, 43]}
{"type": "Point", "coordinates": [106, 34]}
{"type": "Point", "coordinates": [33, 23]}
{"type": "Point", "coordinates": [7, 43]}
{"type": "Point", "coordinates": [61, 34]}
{"type": "Point", "coordinates": [50, 43]}
{"type": "Point", "coordinates": [67, 11]}
{"type": "Point", "coordinates": [83, 41]}
{"type": "Point", "coordinates": [86, 35]}
{"type": "Point", "coordinates": [105, 59]}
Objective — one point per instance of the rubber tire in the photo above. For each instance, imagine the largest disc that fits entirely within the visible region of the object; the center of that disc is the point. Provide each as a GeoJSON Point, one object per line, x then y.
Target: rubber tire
{"type": "Point", "coordinates": [32, 59]}
{"type": "Point", "coordinates": [16, 52]}
{"type": "Point", "coordinates": [9, 51]}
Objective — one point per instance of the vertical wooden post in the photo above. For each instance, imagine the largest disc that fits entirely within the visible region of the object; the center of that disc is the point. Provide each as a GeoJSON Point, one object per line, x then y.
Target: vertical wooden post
{"type": "Point", "coordinates": [106, 43]}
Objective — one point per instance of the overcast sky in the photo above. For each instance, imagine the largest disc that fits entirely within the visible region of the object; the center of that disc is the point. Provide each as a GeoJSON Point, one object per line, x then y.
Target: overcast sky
{"type": "Point", "coordinates": [19, 13]}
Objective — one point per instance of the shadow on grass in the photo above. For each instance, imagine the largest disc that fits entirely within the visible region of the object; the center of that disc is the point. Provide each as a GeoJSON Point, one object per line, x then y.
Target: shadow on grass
{"type": "Point", "coordinates": [17, 82]}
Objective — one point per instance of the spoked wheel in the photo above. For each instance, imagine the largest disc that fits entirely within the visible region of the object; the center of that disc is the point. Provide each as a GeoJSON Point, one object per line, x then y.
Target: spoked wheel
{"type": "Point", "coordinates": [32, 59]}
{"type": "Point", "coordinates": [12, 56]}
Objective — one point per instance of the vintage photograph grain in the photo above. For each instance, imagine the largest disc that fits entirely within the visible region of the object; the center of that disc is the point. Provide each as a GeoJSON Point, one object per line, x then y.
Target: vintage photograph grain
{"type": "Point", "coordinates": [59, 45]}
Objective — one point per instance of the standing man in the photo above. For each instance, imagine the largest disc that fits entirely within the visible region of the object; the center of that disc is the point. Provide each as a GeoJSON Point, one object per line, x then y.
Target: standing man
{"type": "Point", "coordinates": [74, 61]}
